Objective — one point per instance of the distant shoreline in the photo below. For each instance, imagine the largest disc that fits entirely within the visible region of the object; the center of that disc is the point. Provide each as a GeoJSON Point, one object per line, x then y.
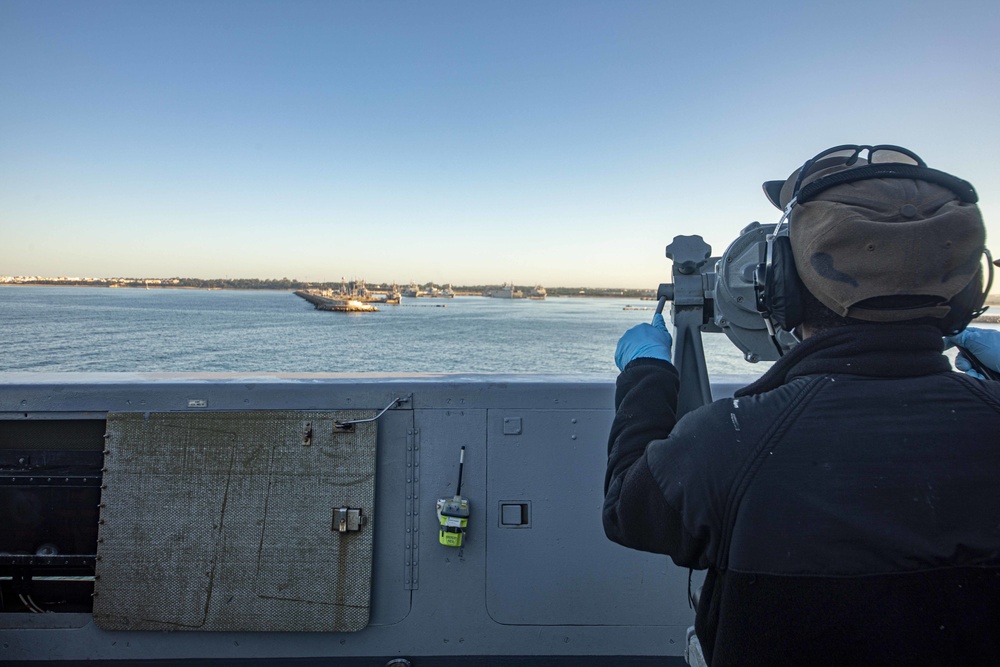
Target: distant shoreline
{"type": "Point", "coordinates": [616, 293]}
{"type": "Point", "coordinates": [989, 318]}
{"type": "Point", "coordinates": [293, 289]}
{"type": "Point", "coordinates": [141, 287]}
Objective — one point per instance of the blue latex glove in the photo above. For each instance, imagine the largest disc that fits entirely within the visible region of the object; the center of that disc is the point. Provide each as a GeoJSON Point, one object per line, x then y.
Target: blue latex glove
{"type": "Point", "coordinates": [984, 343]}
{"type": "Point", "coordinates": [644, 340]}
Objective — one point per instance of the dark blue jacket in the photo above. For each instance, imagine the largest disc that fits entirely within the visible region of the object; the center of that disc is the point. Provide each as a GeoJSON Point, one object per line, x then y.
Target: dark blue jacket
{"type": "Point", "coordinates": [846, 505]}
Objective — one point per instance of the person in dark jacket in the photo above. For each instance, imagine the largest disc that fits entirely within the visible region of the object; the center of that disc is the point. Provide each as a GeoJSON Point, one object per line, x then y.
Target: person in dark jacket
{"type": "Point", "coordinates": [847, 504]}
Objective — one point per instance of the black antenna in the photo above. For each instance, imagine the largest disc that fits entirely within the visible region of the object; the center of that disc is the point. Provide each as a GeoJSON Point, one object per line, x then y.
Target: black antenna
{"type": "Point", "coordinates": [461, 464]}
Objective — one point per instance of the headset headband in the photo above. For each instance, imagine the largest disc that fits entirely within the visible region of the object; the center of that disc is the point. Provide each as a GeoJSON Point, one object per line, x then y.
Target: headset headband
{"type": "Point", "coordinates": [962, 189]}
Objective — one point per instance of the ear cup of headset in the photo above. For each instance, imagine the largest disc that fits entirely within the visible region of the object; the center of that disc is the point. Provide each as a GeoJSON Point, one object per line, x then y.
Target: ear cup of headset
{"type": "Point", "coordinates": [783, 288]}
{"type": "Point", "coordinates": [965, 306]}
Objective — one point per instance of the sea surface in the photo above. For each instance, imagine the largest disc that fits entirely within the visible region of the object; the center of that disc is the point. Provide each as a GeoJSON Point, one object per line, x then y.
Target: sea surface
{"type": "Point", "coordinates": [81, 329]}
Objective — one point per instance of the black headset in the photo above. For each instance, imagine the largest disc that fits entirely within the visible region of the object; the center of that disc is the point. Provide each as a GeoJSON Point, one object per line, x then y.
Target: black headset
{"type": "Point", "coordinates": [779, 290]}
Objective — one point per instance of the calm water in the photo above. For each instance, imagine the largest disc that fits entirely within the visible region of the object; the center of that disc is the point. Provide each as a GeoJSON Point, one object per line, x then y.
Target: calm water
{"type": "Point", "coordinates": [134, 330]}
{"type": "Point", "coordinates": [129, 330]}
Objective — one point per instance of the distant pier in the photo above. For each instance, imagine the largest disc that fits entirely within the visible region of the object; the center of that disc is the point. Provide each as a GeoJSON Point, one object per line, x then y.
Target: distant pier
{"type": "Point", "coordinates": [337, 305]}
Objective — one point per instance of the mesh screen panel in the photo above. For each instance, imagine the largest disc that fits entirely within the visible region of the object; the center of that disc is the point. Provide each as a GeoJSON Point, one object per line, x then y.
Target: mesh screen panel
{"type": "Point", "coordinates": [225, 521]}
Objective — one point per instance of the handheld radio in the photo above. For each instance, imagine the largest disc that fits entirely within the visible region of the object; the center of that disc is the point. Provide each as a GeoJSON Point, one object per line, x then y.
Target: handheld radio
{"type": "Point", "coordinates": [453, 513]}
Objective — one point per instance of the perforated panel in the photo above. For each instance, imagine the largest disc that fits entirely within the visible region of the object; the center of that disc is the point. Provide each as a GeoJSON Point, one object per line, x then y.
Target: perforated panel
{"type": "Point", "coordinates": [225, 521]}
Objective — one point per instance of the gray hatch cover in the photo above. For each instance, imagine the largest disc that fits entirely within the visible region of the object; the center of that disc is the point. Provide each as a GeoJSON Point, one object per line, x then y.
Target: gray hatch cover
{"type": "Point", "coordinates": [236, 521]}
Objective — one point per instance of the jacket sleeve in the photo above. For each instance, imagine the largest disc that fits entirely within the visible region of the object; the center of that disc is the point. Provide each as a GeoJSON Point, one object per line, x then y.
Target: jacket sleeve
{"type": "Point", "coordinates": [636, 513]}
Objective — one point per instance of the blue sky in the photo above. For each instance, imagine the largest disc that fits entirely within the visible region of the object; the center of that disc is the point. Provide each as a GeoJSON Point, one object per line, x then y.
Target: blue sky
{"type": "Point", "coordinates": [554, 142]}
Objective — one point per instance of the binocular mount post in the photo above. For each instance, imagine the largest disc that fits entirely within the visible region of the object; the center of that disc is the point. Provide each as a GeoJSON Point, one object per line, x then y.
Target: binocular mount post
{"type": "Point", "coordinates": [690, 255]}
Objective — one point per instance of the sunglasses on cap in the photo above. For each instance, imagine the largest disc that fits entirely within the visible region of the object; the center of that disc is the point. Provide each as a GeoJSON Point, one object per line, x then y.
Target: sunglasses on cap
{"type": "Point", "coordinates": [849, 154]}
{"type": "Point", "coordinates": [882, 159]}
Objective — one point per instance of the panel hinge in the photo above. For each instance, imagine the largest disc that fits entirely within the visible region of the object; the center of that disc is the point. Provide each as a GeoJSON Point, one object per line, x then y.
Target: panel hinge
{"type": "Point", "coordinates": [412, 537]}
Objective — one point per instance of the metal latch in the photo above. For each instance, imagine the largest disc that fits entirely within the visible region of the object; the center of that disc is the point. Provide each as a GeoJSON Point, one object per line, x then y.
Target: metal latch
{"type": "Point", "coordinates": [347, 520]}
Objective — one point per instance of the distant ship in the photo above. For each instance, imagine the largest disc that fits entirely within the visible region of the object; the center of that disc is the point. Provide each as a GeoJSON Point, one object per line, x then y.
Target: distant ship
{"type": "Point", "coordinates": [429, 291]}
{"type": "Point", "coordinates": [505, 291]}
{"type": "Point", "coordinates": [537, 292]}
{"type": "Point", "coordinates": [337, 304]}
{"type": "Point", "coordinates": [356, 290]}
{"type": "Point", "coordinates": [393, 295]}
{"type": "Point", "coordinates": [353, 296]}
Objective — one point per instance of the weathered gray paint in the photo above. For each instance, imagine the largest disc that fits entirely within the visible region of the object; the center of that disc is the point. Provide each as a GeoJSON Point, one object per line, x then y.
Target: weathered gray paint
{"type": "Point", "coordinates": [555, 587]}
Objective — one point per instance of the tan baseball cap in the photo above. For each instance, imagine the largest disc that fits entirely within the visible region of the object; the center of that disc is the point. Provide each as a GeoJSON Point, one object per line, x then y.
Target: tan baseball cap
{"type": "Point", "coordinates": [883, 249]}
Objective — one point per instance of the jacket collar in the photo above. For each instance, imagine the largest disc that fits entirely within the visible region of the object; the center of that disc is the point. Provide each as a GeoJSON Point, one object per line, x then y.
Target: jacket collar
{"type": "Point", "coordinates": [871, 350]}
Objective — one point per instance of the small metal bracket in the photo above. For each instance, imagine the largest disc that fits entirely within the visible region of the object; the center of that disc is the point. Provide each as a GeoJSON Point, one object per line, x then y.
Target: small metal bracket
{"type": "Point", "coordinates": [347, 520]}
{"type": "Point", "coordinates": [349, 424]}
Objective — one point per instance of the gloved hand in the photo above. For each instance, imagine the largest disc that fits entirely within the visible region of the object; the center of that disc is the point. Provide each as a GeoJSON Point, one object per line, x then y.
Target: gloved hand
{"type": "Point", "coordinates": [984, 343]}
{"type": "Point", "coordinates": [644, 340]}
